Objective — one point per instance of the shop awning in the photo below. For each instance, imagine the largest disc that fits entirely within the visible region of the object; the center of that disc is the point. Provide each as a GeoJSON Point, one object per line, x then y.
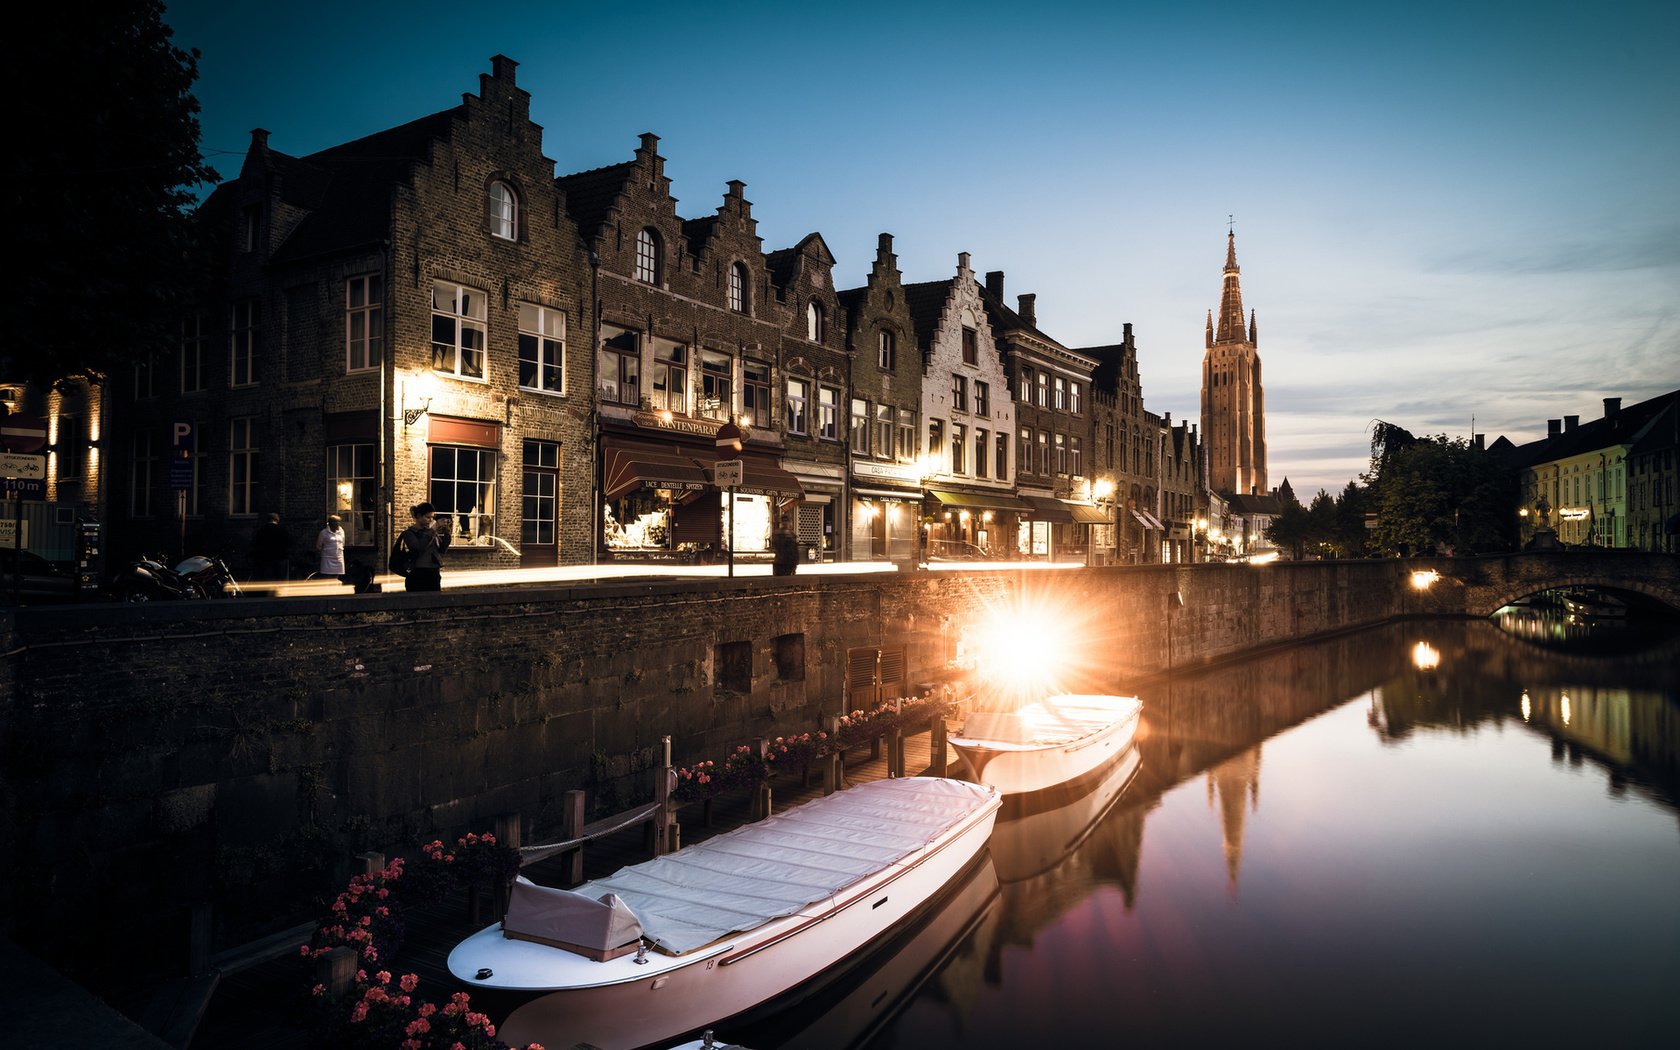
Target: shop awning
{"type": "Point", "coordinates": [630, 466]}
{"type": "Point", "coordinates": [1086, 513]}
{"type": "Point", "coordinates": [1148, 521]}
{"type": "Point", "coordinates": [984, 500]}
{"type": "Point", "coordinates": [1044, 508]}
{"type": "Point", "coordinates": [886, 493]}
{"type": "Point", "coordinates": [762, 477]}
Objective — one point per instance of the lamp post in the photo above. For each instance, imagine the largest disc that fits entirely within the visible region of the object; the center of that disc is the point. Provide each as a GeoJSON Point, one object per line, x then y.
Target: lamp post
{"type": "Point", "coordinates": [729, 440]}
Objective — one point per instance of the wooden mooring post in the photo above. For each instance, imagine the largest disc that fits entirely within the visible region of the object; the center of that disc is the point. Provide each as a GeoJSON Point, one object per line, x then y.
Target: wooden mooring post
{"type": "Point", "coordinates": [336, 971]}
{"type": "Point", "coordinates": [895, 752]}
{"type": "Point", "coordinates": [572, 811]}
{"type": "Point", "coordinates": [509, 831]}
{"type": "Point", "coordinates": [937, 745]}
{"type": "Point", "coordinates": [664, 818]}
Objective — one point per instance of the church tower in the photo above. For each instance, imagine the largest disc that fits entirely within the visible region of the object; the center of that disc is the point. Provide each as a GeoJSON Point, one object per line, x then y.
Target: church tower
{"type": "Point", "coordinates": [1233, 405]}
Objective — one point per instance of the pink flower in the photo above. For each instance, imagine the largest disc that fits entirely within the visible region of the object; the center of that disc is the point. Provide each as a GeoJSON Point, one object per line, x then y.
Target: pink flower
{"type": "Point", "coordinates": [384, 976]}
{"type": "Point", "coordinates": [419, 1026]}
{"type": "Point", "coordinates": [303, 949]}
{"type": "Point", "coordinates": [409, 980]}
{"type": "Point", "coordinates": [428, 1009]}
{"type": "Point", "coordinates": [359, 1014]}
{"type": "Point", "coordinates": [361, 976]}
{"type": "Point", "coordinates": [318, 990]}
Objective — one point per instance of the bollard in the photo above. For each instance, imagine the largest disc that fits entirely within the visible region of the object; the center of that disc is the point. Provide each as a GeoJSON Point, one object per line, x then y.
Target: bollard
{"type": "Point", "coordinates": [509, 831]}
{"type": "Point", "coordinates": [572, 810]}
{"type": "Point", "coordinates": [936, 745]}
{"type": "Point", "coordinates": [895, 752]}
{"type": "Point", "coordinates": [761, 802]}
{"type": "Point", "coordinates": [336, 971]}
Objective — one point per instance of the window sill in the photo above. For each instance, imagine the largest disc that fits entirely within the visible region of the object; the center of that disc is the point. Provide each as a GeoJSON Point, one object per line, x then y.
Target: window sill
{"type": "Point", "coordinates": [545, 393]}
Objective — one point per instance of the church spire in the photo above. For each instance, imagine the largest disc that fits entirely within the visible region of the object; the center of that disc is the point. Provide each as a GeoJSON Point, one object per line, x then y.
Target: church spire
{"type": "Point", "coordinates": [1230, 300]}
{"type": "Point", "coordinates": [1210, 328]}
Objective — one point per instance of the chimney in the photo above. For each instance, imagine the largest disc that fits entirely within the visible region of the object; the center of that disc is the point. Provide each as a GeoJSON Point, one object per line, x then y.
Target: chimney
{"type": "Point", "coordinates": [502, 67]}
{"type": "Point", "coordinates": [883, 244]}
{"type": "Point", "coordinates": [994, 284]}
{"type": "Point", "coordinates": [1478, 442]}
{"type": "Point", "coordinates": [1612, 405]}
{"type": "Point", "coordinates": [962, 263]}
{"type": "Point", "coordinates": [259, 139]}
{"type": "Point", "coordinates": [1127, 329]}
{"type": "Point", "coordinates": [1570, 423]}
{"type": "Point", "coordinates": [1554, 427]}
{"type": "Point", "coordinates": [1027, 307]}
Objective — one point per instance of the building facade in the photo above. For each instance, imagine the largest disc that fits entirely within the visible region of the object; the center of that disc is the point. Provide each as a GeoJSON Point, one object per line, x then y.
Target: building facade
{"type": "Point", "coordinates": [1233, 399]}
{"type": "Point", "coordinates": [1125, 441]}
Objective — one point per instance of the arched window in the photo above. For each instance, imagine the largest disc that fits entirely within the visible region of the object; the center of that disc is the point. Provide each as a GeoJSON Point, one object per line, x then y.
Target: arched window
{"type": "Point", "coordinates": [738, 288]}
{"type": "Point", "coordinates": [647, 256]}
{"type": "Point", "coordinates": [504, 212]}
{"type": "Point", "coordinates": [815, 329]}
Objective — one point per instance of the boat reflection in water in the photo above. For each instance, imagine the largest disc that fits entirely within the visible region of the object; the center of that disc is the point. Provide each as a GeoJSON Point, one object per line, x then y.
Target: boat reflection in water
{"type": "Point", "coordinates": [846, 1008]}
{"type": "Point", "coordinates": [1036, 832]}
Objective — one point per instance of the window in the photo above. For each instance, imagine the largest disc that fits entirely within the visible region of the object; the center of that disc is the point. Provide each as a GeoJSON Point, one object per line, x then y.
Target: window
{"type": "Point", "coordinates": [859, 431]}
{"type": "Point", "coordinates": [242, 342]}
{"type": "Point", "coordinates": [959, 393]}
{"type": "Point", "coordinates": [816, 324]}
{"type": "Point", "coordinates": [1043, 388]}
{"type": "Point", "coordinates": [1061, 455]}
{"type": "Point", "coordinates": [457, 330]}
{"type": "Point", "coordinates": [887, 347]}
{"type": "Point", "coordinates": [828, 413]}
{"type": "Point", "coordinates": [936, 438]}
{"type": "Point", "coordinates": [959, 449]}
{"type": "Point", "coordinates": [541, 494]}
{"type": "Point", "coordinates": [1003, 457]}
{"type": "Point", "coordinates": [798, 395]}
{"type": "Point", "coordinates": [883, 431]}
{"type": "Point", "coordinates": [1024, 391]}
{"type": "Point", "coordinates": [192, 353]}
{"type": "Point", "coordinates": [1023, 456]}
{"type": "Point", "coordinates": [364, 323]}
{"type": "Point", "coordinates": [350, 490]}
{"type": "Point", "coordinates": [647, 256]}
{"type": "Point", "coordinates": [738, 288]}
{"type": "Point", "coordinates": [982, 398]}
{"type": "Point", "coordinates": [982, 446]}
{"type": "Point", "coordinates": [906, 435]}
{"type": "Point", "coordinates": [670, 376]}
{"type": "Point", "coordinates": [67, 444]}
{"type": "Point", "coordinates": [463, 491]}
{"type": "Point", "coordinates": [717, 384]}
{"type": "Point", "coordinates": [970, 346]}
{"type": "Point", "coordinates": [1073, 398]}
{"type": "Point", "coordinates": [620, 366]}
{"type": "Point", "coordinates": [250, 227]}
{"type": "Point", "coordinates": [504, 212]}
{"type": "Point", "coordinates": [755, 394]}
{"type": "Point", "coordinates": [1043, 452]}
{"type": "Point", "coordinates": [142, 464]}
{"type": "Point", "coordinates": [242, 465]}
{"type": "Point", "coordinates": [1076, 456]}
{"type": "Point", "coordinates": [145, 376]}
{"type": "Point", "coordinates": [542, 348]}
{"type": "Point", "coordinates": [1061, 394]}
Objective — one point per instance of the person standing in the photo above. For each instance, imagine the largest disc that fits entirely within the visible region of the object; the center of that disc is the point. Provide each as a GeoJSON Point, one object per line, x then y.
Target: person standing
{"type": "Point", "coordinates": [425, 544]}
{"type": "Point", "coordinates": [329, 545]}
{"type": "Point", "coordinates": [270, 545]}
{"type": "Point", "coordinates": [784, 546]}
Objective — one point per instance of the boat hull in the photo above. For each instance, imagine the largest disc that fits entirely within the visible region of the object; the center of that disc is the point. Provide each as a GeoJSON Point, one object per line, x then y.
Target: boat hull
{"type": "Point", "coordinates": [1024, 765]}
{"type": "Point", "coordinates": [672, 997]}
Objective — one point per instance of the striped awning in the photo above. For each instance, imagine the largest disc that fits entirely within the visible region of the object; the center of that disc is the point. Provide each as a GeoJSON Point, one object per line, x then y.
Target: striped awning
{"type": "Point", "coordinates": [632, 466]}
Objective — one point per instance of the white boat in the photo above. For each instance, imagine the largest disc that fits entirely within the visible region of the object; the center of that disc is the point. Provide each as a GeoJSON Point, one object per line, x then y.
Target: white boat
{"type": "Point", "coordinates": [1046, 742]}
{"type": "Point", "coordinates": [1036, 832]}
{"type": "Point", "coordinates": [673, 945]}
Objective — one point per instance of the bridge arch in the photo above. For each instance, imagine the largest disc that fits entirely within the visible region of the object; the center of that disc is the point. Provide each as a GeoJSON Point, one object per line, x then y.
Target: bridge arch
{"type": "Point", "coordinates": [1492, 583]}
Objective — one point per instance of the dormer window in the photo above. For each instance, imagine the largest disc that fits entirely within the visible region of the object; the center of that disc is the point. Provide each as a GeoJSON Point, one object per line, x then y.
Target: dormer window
{"type": "Point", "coordinates": [738, 288]}
{"type": "Point", "coordinates": [504, 212]}
{"type": "Point", "coordinates": [815, 323]}
{"type": "Point", "coordinates": [647, 256]}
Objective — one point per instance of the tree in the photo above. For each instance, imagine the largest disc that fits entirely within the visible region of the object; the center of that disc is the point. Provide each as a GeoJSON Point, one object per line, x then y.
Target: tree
{"type": "Point", "coordinates": [99, 180]}
{"type": "Point", "coordinates": [1435, 495]}
{"type": "Point", "coordinates": [1288, 531]}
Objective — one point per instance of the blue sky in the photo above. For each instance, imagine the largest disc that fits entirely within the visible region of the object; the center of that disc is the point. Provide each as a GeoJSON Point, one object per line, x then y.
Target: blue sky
{"type": "Point", "coordinates": [1443, 210]}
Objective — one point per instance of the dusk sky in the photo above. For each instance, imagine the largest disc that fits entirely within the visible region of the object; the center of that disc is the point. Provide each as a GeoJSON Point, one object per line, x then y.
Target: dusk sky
{"type": "Point", "coordinates": [1442, 210]}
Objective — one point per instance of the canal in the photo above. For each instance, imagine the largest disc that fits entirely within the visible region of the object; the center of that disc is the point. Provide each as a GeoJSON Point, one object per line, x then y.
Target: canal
{"type": "Point", "coordinates": [1435, 833]}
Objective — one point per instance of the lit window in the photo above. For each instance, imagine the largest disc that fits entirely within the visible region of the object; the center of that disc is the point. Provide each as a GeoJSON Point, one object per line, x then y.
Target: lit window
{"type": "Point", "coordinates": [1043, 389]}
{"type": "Point", "coordinates": [351, 493]}
{"type": "Point", "coordinates": [504, 212]}
{"type": "Point", "coordinates": [815, 323]}
{"type": "Point", "coordinates": [647, 256]}
{"type": "Point", "coordinates": [883, 431]}
{"type": "Point", "coordinates": [1061, 455]}
{"type": "Point", "coordinates": [542, 348]}
{"type": "Point", "coordinates": [457, 330]}
{"type": "Point", "coordinates": [738, 288]}
{"type": "Point", "coordinates": [620, 366]}
{"type": "Point", "coordinates": [1073, 398]}
{"type": "Point", "coordinates": [828, 413]}
{"type": "Point", "coordinates": [717, 384]}
{"type": "Point", "coordinates": [798, 398]}
{"type": "Point", "coordinates": [859, 433]}
{"type": "Point", "coordinates": [1061, 394]}
{"type": "Point", "coordinates": [755, 394]}
{"type": "Point", "coordinates": [463, 491]}
{"type": "Point", "coordinates": [906, 435]}
{"type": "Point", "coordinates": [670, 376]}
{"type": "Point", "coordinates": [364, 323]}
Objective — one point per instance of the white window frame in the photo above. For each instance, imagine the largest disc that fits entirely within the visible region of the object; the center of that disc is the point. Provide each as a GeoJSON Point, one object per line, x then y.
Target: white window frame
{"type": "Point", "coordinates": [364, 322]}
{"type": "Point", "coordinates": [504, 211]}
{"type": "Point", "coordinates": [828, 413]}
{"type": "Point", "coordinates": [463, 311]}
{"type": "Point", "coordinates": [542, 343]}
{"type": "Point", "coordinates": [347, 480]}
{"type": "Point", "coordinates": [717, 385]}
{"type": "Point", "coordinates": [477, 524]}
{"type": "Point", "coordinates": [798, 406]}
{"type": "Point", "coordinates": [648, 261]}
{"type": "Point", "coordinates": [739, 301]}
{"type": "Point", "coordinates": [816, 322]}
{"type": "Point", "coordinates": [887, 350]}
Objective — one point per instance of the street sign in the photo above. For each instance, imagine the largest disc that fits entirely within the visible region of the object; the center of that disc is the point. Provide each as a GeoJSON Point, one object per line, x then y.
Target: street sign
{"type": "Point", "coordinates": [181, 445]}
{"type": "Point", "coordinates": [728, 473]}
{"type": "Point", "coordinates": [23, 433]}
{"type": "Point", "coordinates": [22, 487]}
{"type": "Point", "coordinates": [10, 532]}
{"type": "Point", "coordinates": [14, 465]}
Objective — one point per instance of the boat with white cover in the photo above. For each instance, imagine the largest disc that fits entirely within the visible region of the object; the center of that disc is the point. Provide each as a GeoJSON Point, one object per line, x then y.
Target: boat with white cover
{"type": "Point", "coordinates": [681, 942]}
{"type": "Point", "coordinates": [1046, 742]}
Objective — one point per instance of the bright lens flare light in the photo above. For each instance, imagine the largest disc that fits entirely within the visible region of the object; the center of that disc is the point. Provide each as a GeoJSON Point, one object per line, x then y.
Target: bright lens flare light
{"type": "Point", "coordinates": [1019, 654]}
{"type": "Point", "coordinates": [1425, 657]}
{"type": "Point", "coordinates": [1423, 579]}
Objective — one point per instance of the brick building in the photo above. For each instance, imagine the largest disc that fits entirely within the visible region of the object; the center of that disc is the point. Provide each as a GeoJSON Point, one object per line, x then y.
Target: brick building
{"type": "Point", "coordinates": [883, 426]}
{"type": "Point", "coordinates": [1125, 444]}
{"type": "Point", "coordinates": [391, 320]}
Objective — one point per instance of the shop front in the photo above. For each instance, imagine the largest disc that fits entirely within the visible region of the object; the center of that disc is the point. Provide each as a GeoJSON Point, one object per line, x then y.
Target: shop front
{"type": "Point", "coordinates": [659, 502]}
{"type": "Point", "coordinates": [972, 524]}
{"type": "Point", "coordinates": [885, 511]}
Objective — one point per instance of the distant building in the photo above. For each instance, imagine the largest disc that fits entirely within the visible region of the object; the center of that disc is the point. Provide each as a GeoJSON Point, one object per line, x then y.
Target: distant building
{"type": "Point", "coordinates": [1233, 400]}
{"type": "Point", "coordinates": [1124, 448]}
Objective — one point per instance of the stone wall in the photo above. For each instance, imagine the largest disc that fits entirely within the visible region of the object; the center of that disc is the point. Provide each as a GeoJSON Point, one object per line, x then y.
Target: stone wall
{"type": "Point", "coordinates": [240, 751]}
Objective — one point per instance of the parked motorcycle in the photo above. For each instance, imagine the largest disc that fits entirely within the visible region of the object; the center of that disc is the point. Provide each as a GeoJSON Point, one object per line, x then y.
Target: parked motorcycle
{"type": "Point", "coordinates": [148, 578]}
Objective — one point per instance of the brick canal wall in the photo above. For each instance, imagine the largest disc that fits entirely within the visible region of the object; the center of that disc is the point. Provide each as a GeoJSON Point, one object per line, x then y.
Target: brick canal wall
{"type": "Point", "coordinates": [238, 752]}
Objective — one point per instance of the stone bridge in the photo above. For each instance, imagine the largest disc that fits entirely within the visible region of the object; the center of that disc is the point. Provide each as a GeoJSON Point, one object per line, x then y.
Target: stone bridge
{"type": "Point", "coordinates": [1479, 586]}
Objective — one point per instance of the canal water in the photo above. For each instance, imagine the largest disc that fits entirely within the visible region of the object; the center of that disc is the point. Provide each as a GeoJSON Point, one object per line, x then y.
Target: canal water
{"type": "Point", "coordinates": [1434, 834]}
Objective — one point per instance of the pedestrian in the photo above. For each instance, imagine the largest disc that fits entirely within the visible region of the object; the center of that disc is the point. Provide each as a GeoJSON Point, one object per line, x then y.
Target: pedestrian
{"type": "Point", "coordinates": [424, 543]}
{"type": "Point", "coordinates": [270, 545]}
{"type": "Point", "coordinates": [329, 544]}
{"type": "Point", "coordinates": [785, 547]}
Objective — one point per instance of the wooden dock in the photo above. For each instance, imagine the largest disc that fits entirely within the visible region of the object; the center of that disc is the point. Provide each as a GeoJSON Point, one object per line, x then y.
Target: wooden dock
{"type": "Point", "coordinates": [261, 1001]}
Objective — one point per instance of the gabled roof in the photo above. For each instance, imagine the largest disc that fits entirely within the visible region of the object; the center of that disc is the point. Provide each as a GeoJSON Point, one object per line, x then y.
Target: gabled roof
{"type": "Point", "coordinates": [926, 301]}
{"type": "Point", "coordinates": [1106, 376]}
{"type": "Point", "coordinates": [591, 194]}
{"type": "Point", "coordinates": [783, 263]}
{"type": "Point", "coordinates": [1243, 503]}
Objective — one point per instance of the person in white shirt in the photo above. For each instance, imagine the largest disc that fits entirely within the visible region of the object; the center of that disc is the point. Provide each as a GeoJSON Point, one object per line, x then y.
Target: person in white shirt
{"type": "Point", "coordinates": [330, 545]}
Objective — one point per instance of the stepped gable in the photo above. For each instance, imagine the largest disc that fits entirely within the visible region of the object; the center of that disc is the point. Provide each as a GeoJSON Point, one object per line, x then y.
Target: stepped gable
{"type": "Point", "coordinates": [591, 195]}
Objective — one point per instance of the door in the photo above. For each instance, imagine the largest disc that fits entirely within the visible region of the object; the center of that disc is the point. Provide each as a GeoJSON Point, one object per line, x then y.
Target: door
{"type": "Point", "coordinates": [539, 545]}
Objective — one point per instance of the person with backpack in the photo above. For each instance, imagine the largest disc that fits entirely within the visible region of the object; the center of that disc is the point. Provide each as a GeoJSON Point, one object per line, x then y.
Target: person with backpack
{"type": "Point", "coordinates": [419, 550]}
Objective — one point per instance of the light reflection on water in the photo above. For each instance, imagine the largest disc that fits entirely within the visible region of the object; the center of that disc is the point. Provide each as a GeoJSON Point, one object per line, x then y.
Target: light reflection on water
{"type": "Point", "coordinates": [1338, 845]}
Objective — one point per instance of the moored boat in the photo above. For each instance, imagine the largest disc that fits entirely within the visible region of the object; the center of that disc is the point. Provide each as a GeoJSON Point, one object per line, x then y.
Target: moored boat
{"type": "Point", "coordinates": [675, 944]}
{"type": "Point", "coordinates": [1046, 742]}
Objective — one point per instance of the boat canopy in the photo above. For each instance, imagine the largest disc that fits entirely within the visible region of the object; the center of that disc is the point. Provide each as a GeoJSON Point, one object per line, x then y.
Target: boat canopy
{"type": "Point", "coordinates": [776, 867]}
{"type": "Point", "coordinates": [565, 919]}
{"type": "Point", "coordinates": [1055, 720]}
